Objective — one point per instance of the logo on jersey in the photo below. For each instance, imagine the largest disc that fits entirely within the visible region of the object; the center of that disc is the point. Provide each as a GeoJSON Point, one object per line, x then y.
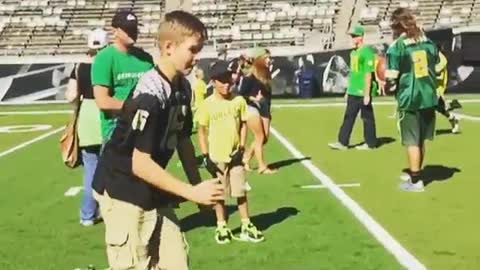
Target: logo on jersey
{"type": "Point", "coordinates": [140, 120]}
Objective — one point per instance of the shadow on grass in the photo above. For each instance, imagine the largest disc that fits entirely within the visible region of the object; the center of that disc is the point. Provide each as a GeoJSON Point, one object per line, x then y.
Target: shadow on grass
{"type": "Point", "coordinates": [266, 220]}
{"type": "Point", "coordinates": [287, 162]}
{"type": "Point", "coordinates": [437, 173]}
{"type": "Point", "coordinates": [263, 221]}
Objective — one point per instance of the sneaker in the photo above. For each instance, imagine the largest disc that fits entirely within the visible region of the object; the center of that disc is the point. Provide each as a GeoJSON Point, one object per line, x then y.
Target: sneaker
{"type": "Point", "coordinates": [410, 187]}
{"type": "Point", "coordinates": [87, 223]}
{"type": "Point", "coordinates": [247, 187]}
{"type": "Point", "coordinates": [455, 125]}
{"type": "Point", "coordinates": [337, 146]}
{"type": "Point", "coordinates": [405, 177]}
{"type": "Point", "coordinates": [250, 233]}
{"type": "Point", "coordinates": [364, 147]}
{"type": "Point", "coordinates": [223, 235]}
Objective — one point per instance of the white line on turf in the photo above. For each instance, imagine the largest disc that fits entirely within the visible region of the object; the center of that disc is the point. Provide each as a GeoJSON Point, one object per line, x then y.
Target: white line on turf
{"type": "Point", "coordinates": [462, 116]}
{"type": "Point", "coordinates": [404, 257]}
{"type": "Point", "coordinates": [37, 112]}
{"type": "Point", "coordinates": [73, 191]}
{"type": "Point", "coordinates": [27, 143]}
{"type": "Point", "coordinates": [342, 104]}
{"type": "Point", "coordinates": [287, 105]}
{"type": "Point", "coordinates": [323, 186]}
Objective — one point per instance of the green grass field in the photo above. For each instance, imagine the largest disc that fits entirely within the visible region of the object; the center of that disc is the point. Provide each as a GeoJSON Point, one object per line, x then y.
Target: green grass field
{"type": "Point", "coordinates": [306, 229]}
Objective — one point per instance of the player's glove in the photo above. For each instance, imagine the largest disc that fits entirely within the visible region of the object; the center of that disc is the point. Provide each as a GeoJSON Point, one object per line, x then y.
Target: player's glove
{"type": "Point", "coordinates": [237, 157]}
{"type": "Point", "coordinates": [211, 167]}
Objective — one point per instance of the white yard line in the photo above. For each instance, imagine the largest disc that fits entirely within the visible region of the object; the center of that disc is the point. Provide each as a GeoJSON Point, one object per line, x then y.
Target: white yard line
{"type": "Point", "coordinates": [402, 255]}
{"type": "Point", "coordinates": [287, 105]}
{"type": "Point", "coordinates": [27, 143]}
{"type": "Point", "coordinates": [462, 116]}
{"type": "Point", "coordinates": [36, 102]}
{"type": "Point", "coordinates": [37, 112]}
{"type": "Point", "coordinates": [322, 186]}
{"type": "Point", "coordinates": [73, 191]}
{"type": "Point", "coordinates": [342, 104]}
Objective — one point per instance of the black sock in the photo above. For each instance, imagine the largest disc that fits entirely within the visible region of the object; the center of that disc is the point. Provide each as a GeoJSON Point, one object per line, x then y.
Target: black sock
{"type": "Point", "coordinates": [415, 177]}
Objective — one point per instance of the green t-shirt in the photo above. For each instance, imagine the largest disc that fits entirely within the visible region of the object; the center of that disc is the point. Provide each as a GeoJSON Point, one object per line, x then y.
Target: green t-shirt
{"type": "Point", "coordinates": [414, 64]}
{"type": "Point", "coordinates": [119, 72]}
{"type": "Point", "coordinates": [362, 62]}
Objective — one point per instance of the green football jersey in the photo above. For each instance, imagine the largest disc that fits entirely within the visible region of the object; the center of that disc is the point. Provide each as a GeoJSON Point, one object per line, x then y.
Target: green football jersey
{"type": "Point", "coordinates": [120, 72]}
{"type": "Point", "coordinates": [362, 63]}
{"type": "Point", "coordinates": [414, 65]}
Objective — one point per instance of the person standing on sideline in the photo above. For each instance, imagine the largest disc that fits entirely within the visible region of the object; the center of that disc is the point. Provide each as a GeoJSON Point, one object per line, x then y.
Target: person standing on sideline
{"type": "Point", "coordinates": [362, 86]}
{"type": "Point", "coordinates": [136, 193]}
{"type": "Point", "coordinates": [80, 92]}
{"type": "Point", "coordinates": [442, 79]}
{"type": "Point", "coordinates": [199, 92]}
{"type": "Point", "coordinates": [222, 137]}
{"type": "Point", "coordinates": [117, 69]}
{"type": "Point", "coordinates": [413, 64]}
{"type": "Point", "coordinates": [256, 88]}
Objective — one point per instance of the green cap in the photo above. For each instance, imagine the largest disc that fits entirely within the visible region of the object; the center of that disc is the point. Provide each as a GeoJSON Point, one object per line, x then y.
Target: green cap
{"type": "Point", "coordinates": [358, 31]}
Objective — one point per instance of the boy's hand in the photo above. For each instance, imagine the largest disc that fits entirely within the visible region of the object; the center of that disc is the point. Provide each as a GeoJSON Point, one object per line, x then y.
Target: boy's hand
{"type": "Point", "coordinates": [211, 167]}
{"type": "Point", "coordinates": [237, 157]}
{"type": "Point", "coordinates": [207, 193]}
{"type": "Point", "coordinates": [366, 100]}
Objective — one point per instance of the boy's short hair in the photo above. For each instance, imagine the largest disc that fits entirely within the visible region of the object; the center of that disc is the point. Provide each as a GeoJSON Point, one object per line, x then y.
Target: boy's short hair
{"type": "Point", "coordinates": [178, 25]}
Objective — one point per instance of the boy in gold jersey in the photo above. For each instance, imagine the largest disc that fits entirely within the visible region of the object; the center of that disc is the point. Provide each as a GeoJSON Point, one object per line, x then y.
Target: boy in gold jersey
{"type": "Point", "coordinates": [442, 80]}
{"type": "Point", "coordinates": [222, 134]}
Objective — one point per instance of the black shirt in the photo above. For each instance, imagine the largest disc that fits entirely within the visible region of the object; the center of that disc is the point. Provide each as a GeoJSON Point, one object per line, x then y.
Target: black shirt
{"type": "Point", "coordinates": [84, 80]}
{"type": "Point", "coordinates": [250, 87]}
{"type": "Point", "coordinates": [152, 121]}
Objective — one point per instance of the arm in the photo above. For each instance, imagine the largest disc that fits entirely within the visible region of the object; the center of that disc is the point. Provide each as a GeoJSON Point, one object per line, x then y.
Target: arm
{"type": "Point", "coordinates": [186, 153]}
{"type": "Point", "coordinates": [72, 91]}
{"type": "Point", "coordinates": [103, 81]}
{"type": "Point", "coordinates": [368, 89]}
{"type": "Point", "coordinates": [104, 101]}
{"type": "Point", "coordinates": [243, 134]}
{"type": "Point", "coordinates": [146, 134]}
{"type": "Point", "coordinates": [202, 137]}
{"type": "Point", "coordinates": [393, 66]}
{"type": "Point", "coordinates": [368, 65]}
{"type": "Point", "coordinates": [147, 170]}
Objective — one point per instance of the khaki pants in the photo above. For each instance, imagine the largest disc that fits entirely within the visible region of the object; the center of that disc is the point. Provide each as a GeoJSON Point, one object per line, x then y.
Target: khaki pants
{"type": "Point", "coordinates": [142, 240]}
{"type": "Point", "coordinates": [234, 181]}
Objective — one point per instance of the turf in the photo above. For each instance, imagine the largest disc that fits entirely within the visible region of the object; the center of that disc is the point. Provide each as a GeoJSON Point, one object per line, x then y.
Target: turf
{"type": "Point", "coordinates": [437, 226]}
{"type": "Point", "coordinates": [305, 229]}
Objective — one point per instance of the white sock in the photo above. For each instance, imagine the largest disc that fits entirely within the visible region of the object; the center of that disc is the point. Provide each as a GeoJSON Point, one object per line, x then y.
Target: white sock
{"type": "Point", "coordinates": [221, 224]}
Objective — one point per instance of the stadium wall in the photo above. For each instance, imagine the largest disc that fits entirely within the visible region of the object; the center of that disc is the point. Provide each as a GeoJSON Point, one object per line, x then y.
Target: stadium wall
{"type": "Point", "coordinates": [28, 83]}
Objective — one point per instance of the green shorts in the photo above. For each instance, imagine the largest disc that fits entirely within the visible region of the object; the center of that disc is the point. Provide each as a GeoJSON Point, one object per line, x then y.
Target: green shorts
{"type": "Point", "coordinates": [416, 127]}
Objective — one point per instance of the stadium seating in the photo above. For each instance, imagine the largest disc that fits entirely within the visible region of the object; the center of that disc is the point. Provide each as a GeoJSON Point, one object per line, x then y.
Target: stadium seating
{"type": "Point", "coordinates": [59, 27]}
{"type": "Point", "coordinates": [247, 23]}
{"type": "Point", "coordinates": [430, 13]}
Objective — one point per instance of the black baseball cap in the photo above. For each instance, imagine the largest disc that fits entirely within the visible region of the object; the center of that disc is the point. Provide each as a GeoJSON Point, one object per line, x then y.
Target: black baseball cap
{"type": "Point", "coordinates": [126, 20]}
{"type": "Point", "coordinates": [221, 71]}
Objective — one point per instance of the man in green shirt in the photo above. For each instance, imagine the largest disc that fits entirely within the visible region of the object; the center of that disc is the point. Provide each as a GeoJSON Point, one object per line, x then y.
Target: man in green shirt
{"type": "Point", "coordinates": [413, 64]}
{"type": "Point", "coordinates": [362, 86]}
{"type": "Point", "coordinates": [117, 69]}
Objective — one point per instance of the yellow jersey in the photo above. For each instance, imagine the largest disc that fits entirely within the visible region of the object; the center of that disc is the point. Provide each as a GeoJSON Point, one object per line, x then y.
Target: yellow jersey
{"type": "Point", "coordinates": [199, 91]}
{"type": "Point", "coordinates": [442, 77]}
{"type": "Point", "coordinates": [223, 118]}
